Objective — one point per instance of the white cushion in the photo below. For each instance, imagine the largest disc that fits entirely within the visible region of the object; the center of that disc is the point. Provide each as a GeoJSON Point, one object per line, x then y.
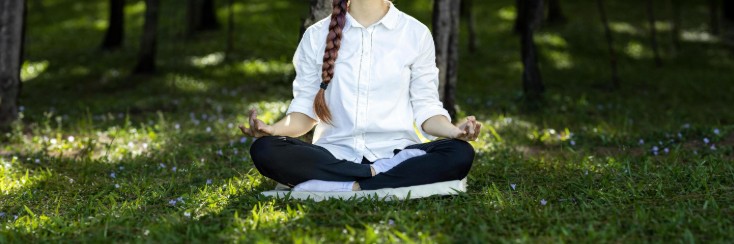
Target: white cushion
{"type": "Point", "coordinates": [445, 188]}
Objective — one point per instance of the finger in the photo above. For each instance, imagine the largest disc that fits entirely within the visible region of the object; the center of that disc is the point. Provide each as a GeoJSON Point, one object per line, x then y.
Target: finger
{"type": "Point", "coordinates": [245, 130]}
{"type": "Point", "coordinates": [253, 117]}
{"type": "Point", "coordinates": [471, 118]}
{"type": "Point", "coordinates": [471, 126]}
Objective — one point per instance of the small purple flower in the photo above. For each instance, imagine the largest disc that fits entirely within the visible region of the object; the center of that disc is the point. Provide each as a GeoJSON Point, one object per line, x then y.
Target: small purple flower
{"type": "Point", "coordinates": [177, 126]}
{"type": "Point", "coordinates": [174, 169]}
{"type": "Point", "coordinates": [716, 131]}
{"type": "Point", "coordinates": [161, 165]}
{"type": "Point", "coordinates": [713, 147]}
{"type": "Point", "coordinates": [655, 148]}
{"type": "Point", "coordinates": [112, 175]}
{"type": "Point", "coordinates": [680, 136]}
{"type": "Point", "coordinates": [513, 186]}
{"type": "Point", "coordinates": [122, 167]}
{"type": "Point", "coordinates": [209, 181]}
{"type": "Point", "coordinates": [180, 199]}
{"type": "Point", "coordinates": [208, 129]}
{"type": "Point", "coordinates": [243, 139]}
{"type": "Point", "coordinates": [666, 150]}
{"type": "Point", "coordinates": [543, 202]}
{"type": "Point", "coordinates": [219, 152]}
{"type": "Point", "coordinates": [641, 142]}
{"type": "Point", "coordinates": [391, 222]}
{"type": "Point", "coordinates": [235, 151]}
{"type": "Point", "coordinates": [172, 202]}
{"type": "Point", "coordinates": [706, 140]}
{"type": "Point", "coordinates": [2, 214]}
{"type": "Point", "coordinates": [573, 143]}
{"type": "Point", "coordinates": [686, 126]}
{"type": "Point", "coordinates": [15, 217]}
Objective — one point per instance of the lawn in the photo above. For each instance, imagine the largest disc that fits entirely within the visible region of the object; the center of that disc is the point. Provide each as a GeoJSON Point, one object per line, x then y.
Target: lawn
{"type": "Point", "coordinates": [101, 155]}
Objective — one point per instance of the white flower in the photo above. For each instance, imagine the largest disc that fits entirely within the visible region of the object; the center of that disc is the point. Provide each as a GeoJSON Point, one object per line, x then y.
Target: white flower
{"type": "Point", "coordinates": [122, 167]}
{"type": "Point", "coordinates": [70, 139]}
{"type": "Point", "coordinates": [130, 144]}
{"type": "Point", "coordinates": [235, 151]}
{"type": "Point", "coordinates": [146, 232]}
{"type": "Point", "coordinates": [219, 152]}
{"type": "Point", "coordinates": [686, 125]}
{"type": "Point", "coordinates": [177, 126]}
{"type": "Point", "coordinates": [706, 140]}
{"type": "Point", "coordinates": [208, 129]}
{"type": "Point", "coordinates": [21, 108]}
{"type": "Point", "coordinates": [230, 125]}
{"type": "Point", "coordinates": [543, 202]}
{"type": "Point", "coordinates": [208, 181]}
{"type": "Point", "coordinates": [53, 141]}
{"type": "Point", "coordinates": [680, 136]}
{"type": "Point", "coordinates": [145, 145]}
{"type": "Point", "coordinates": [513, 186]}
{"type": "Point", "coordinates": [187, 214]}
{"type": "Point", "coordinates": [117, 186]}
{"type": "Point", "coordinates": [713, 147]}
{"type": "Point", "coordinates": [161, 165]}
{"type": "Point", "coordinates": [112, 175]}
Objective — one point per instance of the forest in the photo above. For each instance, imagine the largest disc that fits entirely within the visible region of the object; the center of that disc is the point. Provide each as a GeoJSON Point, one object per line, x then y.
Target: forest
{"type": "Point", "coordinates": [604, 121]}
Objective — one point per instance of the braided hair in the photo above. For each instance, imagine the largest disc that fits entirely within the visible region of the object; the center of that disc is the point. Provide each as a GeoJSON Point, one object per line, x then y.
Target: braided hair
{"type": "Point", "coordinates": [333, 43]}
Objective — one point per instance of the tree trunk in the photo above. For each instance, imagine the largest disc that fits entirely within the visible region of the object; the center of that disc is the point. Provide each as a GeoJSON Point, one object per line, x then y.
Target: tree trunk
{"type": "Point", "coordinates": [727, 9]}
{"type": "Point", "coordinates": [320, 9]}
{"type": "Point", "coordinates": [519, 16]}
{"type": "Point", "coordinates": [468, 13]}
{"type": "Point", "coordinates": [116, 26]}
{"type": "Point", "coordinates": [200, 16]}
{"type": "Point", "coordinates": [446, 17]}
{"type": "Point", "coordinates": [532, 12]}
{"type": "Point", "coordinates": [714, 17]}
{"type": "Point", "coordinates": [653, 33]}
{"type": "Point", "coordinates": [149, 39]}
{"type": "Point", "coordinates": [610, 43]}
{"type": "Point", "coordinates": [12, 31]}
{"type": "Point", "coordinates": [555, 13]}
{"type": "Point", "coordinates": [676, 24]}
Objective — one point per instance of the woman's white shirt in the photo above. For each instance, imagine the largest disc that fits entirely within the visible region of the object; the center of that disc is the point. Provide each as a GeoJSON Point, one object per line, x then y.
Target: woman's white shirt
{"type": "Point", "coordinates": [385, 80]}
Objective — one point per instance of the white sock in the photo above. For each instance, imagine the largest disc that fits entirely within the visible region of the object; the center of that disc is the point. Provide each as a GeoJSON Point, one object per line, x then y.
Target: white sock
{"type": "Point", "coordinates": [386, 164]}
{"type": "Point", "coordinates": [320, 185]}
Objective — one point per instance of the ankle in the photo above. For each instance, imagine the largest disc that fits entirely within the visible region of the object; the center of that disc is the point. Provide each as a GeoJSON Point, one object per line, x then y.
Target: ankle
{"type": "Point", "coordinates": [355, 186]}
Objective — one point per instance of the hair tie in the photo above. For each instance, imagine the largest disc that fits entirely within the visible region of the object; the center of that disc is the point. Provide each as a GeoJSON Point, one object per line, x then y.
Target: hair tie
{"type": "Point", "coordinates": [324, 85]}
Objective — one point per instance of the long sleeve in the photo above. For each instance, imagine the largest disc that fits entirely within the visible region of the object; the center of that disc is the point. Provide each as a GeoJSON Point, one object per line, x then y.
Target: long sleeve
{"type": "Point", "coordinates": [308, 76]}
{"type": "Point", "coordinates": [424, 85]}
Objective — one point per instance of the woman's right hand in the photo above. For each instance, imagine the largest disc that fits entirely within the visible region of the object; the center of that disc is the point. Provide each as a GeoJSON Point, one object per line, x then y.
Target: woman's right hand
{"type": "Point", "coordinates": [258, 128]}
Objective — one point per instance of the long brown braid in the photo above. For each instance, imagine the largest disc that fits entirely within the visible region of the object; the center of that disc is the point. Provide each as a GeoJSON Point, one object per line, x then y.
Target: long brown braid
{"type": "Point", "coordinates": [333, 43]}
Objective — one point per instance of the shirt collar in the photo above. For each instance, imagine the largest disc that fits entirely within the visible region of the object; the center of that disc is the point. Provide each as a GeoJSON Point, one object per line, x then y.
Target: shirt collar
{"type": "Point", "coordinates": [390, 20]}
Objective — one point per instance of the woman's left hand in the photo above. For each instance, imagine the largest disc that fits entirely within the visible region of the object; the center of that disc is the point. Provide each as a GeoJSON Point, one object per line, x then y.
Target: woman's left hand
{"type": "Point", "coordinates": [469, 130]}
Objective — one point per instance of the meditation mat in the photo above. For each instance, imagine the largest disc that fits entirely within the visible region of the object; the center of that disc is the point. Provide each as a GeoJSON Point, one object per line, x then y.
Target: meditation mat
{"type": "Point", "coordinates": [445, 188]}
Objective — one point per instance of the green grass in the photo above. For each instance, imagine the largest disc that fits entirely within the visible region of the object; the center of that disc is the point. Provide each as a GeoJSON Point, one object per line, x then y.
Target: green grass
{"type": "Point", "coordinates": [155, 158]}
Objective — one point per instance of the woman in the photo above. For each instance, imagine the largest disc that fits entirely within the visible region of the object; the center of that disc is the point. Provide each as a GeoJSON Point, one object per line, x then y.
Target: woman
{"type": "Point", "coordinates": [363, 77]}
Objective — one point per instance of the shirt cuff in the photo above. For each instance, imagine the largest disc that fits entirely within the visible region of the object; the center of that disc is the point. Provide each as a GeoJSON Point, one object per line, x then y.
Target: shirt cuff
{"type": "Point", "coordinates": [422, 117]}
{"type": "Point", "coordinates": [303, 106]}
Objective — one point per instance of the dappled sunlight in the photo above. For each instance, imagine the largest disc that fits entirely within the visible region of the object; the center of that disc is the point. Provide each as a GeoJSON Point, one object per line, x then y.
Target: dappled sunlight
{"type": "Point", "coordinates": [188, 83]}
{"type": "Point", "coordinates": [623, 28]}
{"type": "Point", "coordinates": [507, 13]}
{"type": "Point", "coordinates": [698, 36]}
{"type": "Point", "coordinates": [637, 50]}
{"type": "Point", "coordinates": [211, 59]}
{"type": "Point", "coordinates": [14, 178]}
{"type": "Point", "coordinates": [31, 70]}
{"type": "Point", "coordinates": [260, 67]}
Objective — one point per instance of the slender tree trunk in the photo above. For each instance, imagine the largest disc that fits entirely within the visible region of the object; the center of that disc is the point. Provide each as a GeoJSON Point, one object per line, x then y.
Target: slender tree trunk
{"type": "Point", "coordinates": [320, 9]}
{"type": "Point", "coordinates": [519, 17]}
{"type": "Point", "coordinates": [653, 33]}
{"type": "Point", "coordinates": [149, 39]}
{"type": "Point", "coordinates": [12, 31]}
{"type": "Point", "coordinates": [230, 29]}
{"type": "Point", "coordinates": [467, 10]}
{"type": "Point", "coordinates": [446, 18]}
{"type": "Point", "coordinates": [676, 24]}
{"type": "Point", "coordinates": [193, 17]}
{"type": "Point", "coordinates": [532, 12]}
{"type": "Point", "coordinates": [727, 9]}
{"type": "Point", "coordinates": [714, 27]}
{"type": "Point", "coordinates": [610, 43]}
{"type": "Point", "coordinates": [209, 19]}
{"type": "Point", "coordinates": [116, 26]}
{"type": "Point", "coordinates": [555, 13]}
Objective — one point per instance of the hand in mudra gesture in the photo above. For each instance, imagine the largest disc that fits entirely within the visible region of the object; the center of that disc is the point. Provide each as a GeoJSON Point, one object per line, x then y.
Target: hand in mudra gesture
{"type": "Point", "coordinates": [257, 128]}
{"type": "Point", "coordinates": [469, 130]}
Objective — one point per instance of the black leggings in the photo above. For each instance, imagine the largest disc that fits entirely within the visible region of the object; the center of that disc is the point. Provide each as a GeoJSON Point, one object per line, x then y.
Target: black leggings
{"type": "Point", "coordinates": [291, 161]}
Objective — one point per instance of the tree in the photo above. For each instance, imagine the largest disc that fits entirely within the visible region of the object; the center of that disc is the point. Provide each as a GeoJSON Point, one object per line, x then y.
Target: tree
{"type": "Point", "coordinates": [320, 9]}
{"type": "Point", "coordinates": [200, 16]}
{"type": "Point", "coordinates": [555, 13]}
{"type": "Point", "coordinates": [714, 17]}
{"type": "Point", "coordinates": [610, 43]}
{"type": "Point", "coordinates": [149, 39]}
{"type": "Point", "coordinates": [727, 9]}
{"type": "Point", "coordinates": [529, 18]}
{"type": "Point", "coordinates": [653, 32]}
{"type": "Point", "coordinates": [230, 29]}
{"type": "Point", "coordinates": [116, 25]}
{"type": "Point", "coordinates": [12, 32]}
{"type": "Point", "coordinates": [446, 17]}
{"type": "Point", "coordinates": [676, 24]}
{"type": "Point", "coordinates": [466, 11]}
